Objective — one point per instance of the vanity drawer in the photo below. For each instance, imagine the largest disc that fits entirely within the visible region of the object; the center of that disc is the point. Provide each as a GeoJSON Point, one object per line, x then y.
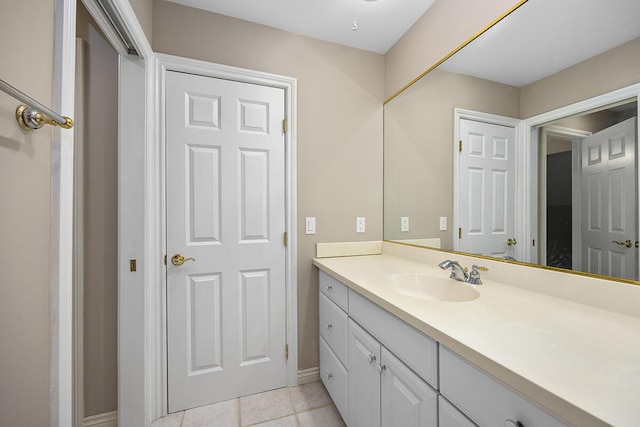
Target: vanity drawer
{"type": "Point", "coordinates": [449, 416]}
{"type": "Point", "coordinates": [336, 291]}
{"type": "Point", "coordinates": [415, 349]}
{"type": "Point", "coordinates": [335, 378]}
{"type": "Point", "coordinates": [484, 399]}
{"type": "Point", "coordinates": [334, 328]}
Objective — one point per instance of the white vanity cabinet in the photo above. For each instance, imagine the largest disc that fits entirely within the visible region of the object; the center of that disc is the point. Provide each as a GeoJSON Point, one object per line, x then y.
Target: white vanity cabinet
{"type": "Point", "coordinates": [485, 400]}
{"type": "Point", "coordinates": [334, 341]}
{"type": "Point", "coordinates": [383, 391]}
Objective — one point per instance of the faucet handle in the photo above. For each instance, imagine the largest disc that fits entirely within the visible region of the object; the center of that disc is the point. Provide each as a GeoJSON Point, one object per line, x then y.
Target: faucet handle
{"type": "Point", "coordinates": [474, 276]}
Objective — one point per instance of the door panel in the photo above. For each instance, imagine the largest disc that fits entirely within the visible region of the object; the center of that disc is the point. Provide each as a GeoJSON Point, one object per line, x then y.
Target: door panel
{"type": "Point", "coordinates": [609, 202]}
{"type": "Point", "coordinates": [364, 378]}
{"type": "Point", "coordinates": [226, 210]}
{"type": "Point", "coordinates": [486, 205]}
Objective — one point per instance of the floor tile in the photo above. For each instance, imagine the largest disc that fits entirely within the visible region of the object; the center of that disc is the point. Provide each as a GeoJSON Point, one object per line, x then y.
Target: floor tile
{"type": "Point", "coordinates": [170, 420]}
{"type": "Point", "coordinates": [309, 396]}
{"type": "Point", "coordinates": [322, 417]}
{"type": "Point", "coordinates": [223, 414]}
{"type": "Point", "coordinates": [289, 421]}
{"type": "Point", "coordinates": [266, 406]}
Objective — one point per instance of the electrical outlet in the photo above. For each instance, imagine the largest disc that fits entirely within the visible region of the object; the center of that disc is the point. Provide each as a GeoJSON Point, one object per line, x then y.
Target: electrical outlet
{"type": "Point", "coordinates": [360, 224]}
{"type": "Point", "coordinates": [310, 225]}
{"type": "Point", "coordinates": [443, 223]}
{"type": "Point", "coordinates": [404, 223]}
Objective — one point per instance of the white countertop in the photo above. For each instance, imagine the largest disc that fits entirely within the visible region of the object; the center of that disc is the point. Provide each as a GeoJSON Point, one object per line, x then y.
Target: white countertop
{"type": "Point", "coordinates": [580, 362]}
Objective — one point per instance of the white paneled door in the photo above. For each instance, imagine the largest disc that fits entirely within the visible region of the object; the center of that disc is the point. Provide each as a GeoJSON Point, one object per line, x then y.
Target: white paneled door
{"type": "Point", "coordinates": [609, 204]}
{"type": "Point", "coordinates": [225, 194]}
{"type": "Point", "coordinates": [486, 193]}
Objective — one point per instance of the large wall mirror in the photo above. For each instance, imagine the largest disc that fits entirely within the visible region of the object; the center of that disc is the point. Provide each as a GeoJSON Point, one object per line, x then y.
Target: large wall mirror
{"type": "Point", "coordinates": [523, 145]}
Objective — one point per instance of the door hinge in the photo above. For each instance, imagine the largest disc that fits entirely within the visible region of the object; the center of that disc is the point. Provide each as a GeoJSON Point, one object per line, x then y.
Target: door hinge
{"type": "Point", "coordinates": [533, 242]}
{"type": "Point", "coordinates": [165, 260]}
{"type": "Point", "coordinates": [285, 125]}
{"type": "Point", "coordinates": [286, 238]}
{"type": "Point", "coordinates": [286, 351]}
{"type": "Point", "coordinates": [460, 233]}
{"type": "Point", "coordinates": [460, 146]}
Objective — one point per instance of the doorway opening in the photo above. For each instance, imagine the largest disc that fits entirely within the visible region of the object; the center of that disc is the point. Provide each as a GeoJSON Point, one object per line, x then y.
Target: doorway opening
{"type": "Point", "coordinates": [589, 211]}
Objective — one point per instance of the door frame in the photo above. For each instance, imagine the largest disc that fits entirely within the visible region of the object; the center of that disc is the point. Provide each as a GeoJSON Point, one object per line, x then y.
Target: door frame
{"type": "Point", "coordinates": [493, 119]}
{"type": "Point", "coordinates": [165, 63]}
{"type": "Point", "coordinates": [530, 138]}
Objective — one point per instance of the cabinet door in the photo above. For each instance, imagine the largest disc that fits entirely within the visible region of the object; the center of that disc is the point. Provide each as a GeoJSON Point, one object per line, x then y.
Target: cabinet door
{"type": "Point", "coordinates": [405, 398]}
{"type": "Point", "coordinates": [364, 378]}
{"type": "Point", "coordinates": [449, 416]}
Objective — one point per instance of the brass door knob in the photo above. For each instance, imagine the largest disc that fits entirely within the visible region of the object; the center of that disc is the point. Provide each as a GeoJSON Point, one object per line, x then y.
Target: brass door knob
{"type": "Point", "coordinates": [626, 243]}
{"type": "Point", "coordinates": [179, 259]}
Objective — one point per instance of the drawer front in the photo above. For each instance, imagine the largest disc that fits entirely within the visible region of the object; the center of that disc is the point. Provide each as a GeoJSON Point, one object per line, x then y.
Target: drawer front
{"type": "Point", "coordinates": [415, 349]}
{"type": "Point", "coordinates": [336, 291]}
{"type": "Point", "coordinates": [335, 378]}
{"type": "Point", "coordinates": [334, 328]}
{"type": "Point", "coordinates": [449, 416]}
{"type": "Point", "coordinates": [484, 399]}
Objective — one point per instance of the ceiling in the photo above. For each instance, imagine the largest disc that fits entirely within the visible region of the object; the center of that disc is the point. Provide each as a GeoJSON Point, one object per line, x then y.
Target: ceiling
{"type": "Point", "coordinates": [380, 23]}
{"type": "Point", "coordinates": [547, 36]}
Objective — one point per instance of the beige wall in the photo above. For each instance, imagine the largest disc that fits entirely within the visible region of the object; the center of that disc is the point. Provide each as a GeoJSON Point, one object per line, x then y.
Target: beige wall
{"type": "Point", "coordinates": [604, 73]}
{"type": "Point", "coordinates": [445, 26]}
{"type": "Point", "coordinates": [100, 126]}
{"type": "Point", "coordinates": [25, 185]}
{"type": "Point", "coordinates": [144, 12]}
{"type": "Point", "coordinates": [418, 148]}
{"type": "Point", "coordinates": [340, 95]}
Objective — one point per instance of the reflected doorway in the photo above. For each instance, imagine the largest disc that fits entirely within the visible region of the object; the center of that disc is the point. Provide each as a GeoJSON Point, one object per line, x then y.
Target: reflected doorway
{"type": "Point", "coordinates": [589, 211]}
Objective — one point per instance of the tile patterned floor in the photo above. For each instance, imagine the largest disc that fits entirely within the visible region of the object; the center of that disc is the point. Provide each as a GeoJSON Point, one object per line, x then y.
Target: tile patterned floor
{"type": "Point", "coordinates": [308, 405]}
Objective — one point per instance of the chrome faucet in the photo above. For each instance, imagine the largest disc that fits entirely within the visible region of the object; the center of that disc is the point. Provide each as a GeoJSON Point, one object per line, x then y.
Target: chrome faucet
{"type": "Point", "coordinates": [460, 274]}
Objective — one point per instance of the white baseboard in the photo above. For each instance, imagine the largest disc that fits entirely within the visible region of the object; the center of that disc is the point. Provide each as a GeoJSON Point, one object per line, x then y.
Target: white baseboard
{"type": "Point", "coordinates": [307, 376]}
{"type": "Point", "coordinates": [107, 419]}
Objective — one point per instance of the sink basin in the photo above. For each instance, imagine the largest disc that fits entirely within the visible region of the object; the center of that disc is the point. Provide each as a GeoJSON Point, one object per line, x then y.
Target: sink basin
{"type": "Point", "coordinates": [432, 288]}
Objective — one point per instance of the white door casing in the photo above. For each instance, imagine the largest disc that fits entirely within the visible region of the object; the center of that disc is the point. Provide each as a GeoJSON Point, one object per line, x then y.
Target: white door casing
{"type": "Point", "coordinates": [226, 209]}
{"type": "Point", "coordinates": [485, 190]}
{"type": "Point", "coordinates": [609, 205]}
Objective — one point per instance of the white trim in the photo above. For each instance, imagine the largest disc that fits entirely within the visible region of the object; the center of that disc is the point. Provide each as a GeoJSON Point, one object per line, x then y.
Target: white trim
{"type": "Point", "coordinates": [78, 239]}
{"type": "Point", "coordinates": [493, 119]}
{"type": "Point", "coordinates": [96, 12]}
{"type": "Point", "coordinates": [107, 419]}
{"type": "Point", "coordinates": [165, 63]}
{"type": "Point", "coordinates": [61, 288]}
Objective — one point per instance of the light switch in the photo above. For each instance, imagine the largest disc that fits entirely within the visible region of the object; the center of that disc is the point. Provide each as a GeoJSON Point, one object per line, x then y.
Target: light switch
{"type": "Point", "coordinates": [404, 223]}
{"type": "Point", "coordinates": [360, 224]}
{"type": "Point", "coordinates": [443, 223]}
{"type": "Point", "coordinates": [310, 225]}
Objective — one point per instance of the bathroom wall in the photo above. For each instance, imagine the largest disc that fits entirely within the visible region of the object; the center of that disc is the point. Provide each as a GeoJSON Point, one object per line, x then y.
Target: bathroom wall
{"type": "Point", "coordinates": [339, 144]}
{"type": "Point", "coordinates": [603, 73]}
{"type": "Point", "coordinates": [100, 143]}
{"type": "Point", "coordinates": [26, 62]}
{"type": "Point", "coordinates": [418, 135]}
{"type": "Point", "coordinates": [444, 27]}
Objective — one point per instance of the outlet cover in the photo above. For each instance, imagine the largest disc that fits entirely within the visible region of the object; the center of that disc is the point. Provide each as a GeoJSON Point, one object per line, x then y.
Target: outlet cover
{"type": "Point", "coordinates": [360, 224]}
{"type": "Point", "coordinates": [404, 223]}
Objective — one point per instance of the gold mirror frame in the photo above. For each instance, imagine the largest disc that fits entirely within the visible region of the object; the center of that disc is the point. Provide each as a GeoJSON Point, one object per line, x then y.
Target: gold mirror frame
{"type": "Point", "coordinates": [448, 251]}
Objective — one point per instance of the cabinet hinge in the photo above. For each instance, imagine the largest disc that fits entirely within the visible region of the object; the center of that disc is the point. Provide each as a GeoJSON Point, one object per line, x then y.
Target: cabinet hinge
{"type": "Point", "coordinates": [286, 351]}
{"type": "Point", "coordinates": [285, 125]}
{"type": "Point", "coordinates": [286, 238]}
{"type": "Point", "coordinates": [460, 146]}
{"type": "Point", "coordinates": [460, 233]}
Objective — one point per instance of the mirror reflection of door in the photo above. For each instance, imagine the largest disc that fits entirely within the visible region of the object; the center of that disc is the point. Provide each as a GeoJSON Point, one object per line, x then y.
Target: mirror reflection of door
{"type": "Point", "coordinates": [486, 189]}
{"type": "Point", "coordinates": [591, 216]}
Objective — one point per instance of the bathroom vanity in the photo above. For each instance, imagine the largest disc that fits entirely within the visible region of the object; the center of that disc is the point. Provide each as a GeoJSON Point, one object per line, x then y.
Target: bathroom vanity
{"type": "Point", "coordinates": [398, 349]}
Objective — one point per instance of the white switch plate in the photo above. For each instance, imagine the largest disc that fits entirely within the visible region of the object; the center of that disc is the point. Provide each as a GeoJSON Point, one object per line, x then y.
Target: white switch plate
{"type": "Point", "coordinates": [310, 225]}
{"type": "Point", "coordinates": [404, 223]}
{"type": "Point", "coordinates": [360, 224]}
{"type": "Point", "coordinates": [443, 223]}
